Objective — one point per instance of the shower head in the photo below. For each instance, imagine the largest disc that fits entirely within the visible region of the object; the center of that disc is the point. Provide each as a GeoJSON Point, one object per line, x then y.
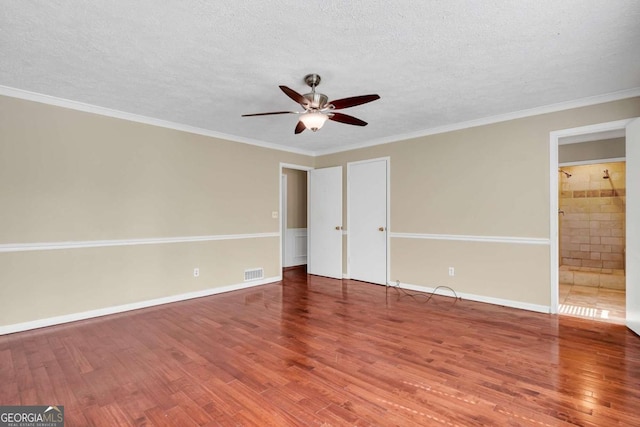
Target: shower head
{"type": "Point", "coordinates": [606, 174]}
{"type": "Point", "coordinates": [565, 172]}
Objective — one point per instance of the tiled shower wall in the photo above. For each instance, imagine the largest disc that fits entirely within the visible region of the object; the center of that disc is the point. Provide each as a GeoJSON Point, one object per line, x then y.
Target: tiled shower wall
{"type": "Point", "coordinates": [592, 229]}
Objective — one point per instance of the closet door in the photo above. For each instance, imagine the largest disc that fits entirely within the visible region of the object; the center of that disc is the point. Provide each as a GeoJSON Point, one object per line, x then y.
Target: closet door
{"type": "Point", "coordinates": [367, 220]}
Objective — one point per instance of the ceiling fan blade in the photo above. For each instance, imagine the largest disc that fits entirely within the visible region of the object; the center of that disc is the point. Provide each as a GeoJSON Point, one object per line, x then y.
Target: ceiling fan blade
{"type": "Point", "coordinates": [295, 96]}
{"type": "Point", "coordinates": [343, 118]}
{"type": "Point", "coordinates": [339, 104]}
{"type": "Point", "coordinates": [299, 128]}
{"type": "Point", "coordinates": [269, 114]}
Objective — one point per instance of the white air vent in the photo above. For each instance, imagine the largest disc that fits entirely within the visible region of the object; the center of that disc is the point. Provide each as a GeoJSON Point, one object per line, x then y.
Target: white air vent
{"type": "Point", "coordinates": [253, 274]}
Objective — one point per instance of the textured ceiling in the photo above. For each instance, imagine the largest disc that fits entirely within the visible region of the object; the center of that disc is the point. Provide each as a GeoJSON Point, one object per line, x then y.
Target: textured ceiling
{"type": "Point", "coordinates": [434, 63]}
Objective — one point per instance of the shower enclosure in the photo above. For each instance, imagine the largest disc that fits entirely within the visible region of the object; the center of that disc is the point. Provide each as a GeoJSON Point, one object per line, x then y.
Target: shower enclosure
{"type": "Point", "coordinates": [592, 225]}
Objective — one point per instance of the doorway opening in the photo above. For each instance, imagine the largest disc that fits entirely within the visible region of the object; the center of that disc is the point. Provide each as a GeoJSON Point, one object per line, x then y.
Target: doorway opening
{"type": "Point", "coordinates": [592, 231]}
{"type": "Point", "coordinates": [591, 147]}
{"type": "Point", "coordinates": [293, 216]}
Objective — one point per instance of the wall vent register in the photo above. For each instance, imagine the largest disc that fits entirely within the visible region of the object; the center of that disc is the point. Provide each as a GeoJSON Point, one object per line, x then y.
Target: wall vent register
{"type": "Point", "coordinates": [253, 274]}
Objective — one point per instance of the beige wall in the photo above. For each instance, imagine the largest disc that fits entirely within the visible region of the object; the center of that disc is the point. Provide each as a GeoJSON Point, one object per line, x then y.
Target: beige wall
{"type": "Point", "coordinates": [485, 181]}
{"type": "Point", "coordinates": [296, 198]}
{"type": "Point", "coordinates": [70, 176]}
{"type": "Point", "coordinates": [43, 284]}
{"type": "Point", "coordinates": [592, 150]}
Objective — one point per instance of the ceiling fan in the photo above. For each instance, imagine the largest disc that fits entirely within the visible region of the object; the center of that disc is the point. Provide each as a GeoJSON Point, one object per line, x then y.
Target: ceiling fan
{"type": "Point", "coordinates": [317, 107]}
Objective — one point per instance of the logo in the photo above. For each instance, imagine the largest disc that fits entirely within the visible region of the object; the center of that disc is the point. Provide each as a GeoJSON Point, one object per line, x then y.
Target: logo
{"type": "Point", "coordinates": [32, 416]}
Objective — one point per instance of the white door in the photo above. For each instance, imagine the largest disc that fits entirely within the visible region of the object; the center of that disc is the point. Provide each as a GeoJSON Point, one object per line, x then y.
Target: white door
{"type": "Point", "coordinates": [367, 217]}
{"type": "Point", "coordinates": [633, 226]}
{"type": "Point", "coordinates": [324, 215]}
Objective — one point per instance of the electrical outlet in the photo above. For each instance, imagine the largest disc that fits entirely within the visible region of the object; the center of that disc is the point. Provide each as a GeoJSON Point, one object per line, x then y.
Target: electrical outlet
{"type": "Point", "coordinates": [452, 271]}
{"type": "Point", "coordinates": [196, 272]}
{"type": "Point", "coordinates": [274, 214]}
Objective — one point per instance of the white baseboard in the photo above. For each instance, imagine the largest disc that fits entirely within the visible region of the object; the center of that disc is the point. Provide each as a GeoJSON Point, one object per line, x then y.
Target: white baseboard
{"type": "Point", "coordinates": [634, 325]}
{"type": "Point", "coordinates": [51, 321]}
{"type": "Point", "coordinates": [479, 298]}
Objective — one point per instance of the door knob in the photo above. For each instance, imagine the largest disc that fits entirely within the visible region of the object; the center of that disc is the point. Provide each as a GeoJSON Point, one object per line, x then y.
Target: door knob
{"type": "Point", "coordinates": [338, 227]}
{"type": "Point", "coordinates": [380, 228]}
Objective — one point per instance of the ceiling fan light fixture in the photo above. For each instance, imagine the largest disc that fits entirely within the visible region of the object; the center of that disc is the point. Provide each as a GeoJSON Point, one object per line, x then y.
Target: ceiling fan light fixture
{"type": "Point", "coordinates": [317, 107]}
{"type": "Point", "coordinates": [313, 120]}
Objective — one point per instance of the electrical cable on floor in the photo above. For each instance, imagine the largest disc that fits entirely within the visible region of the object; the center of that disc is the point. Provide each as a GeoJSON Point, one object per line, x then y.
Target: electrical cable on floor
{"type": "Point", "coordinates": [427, 295]}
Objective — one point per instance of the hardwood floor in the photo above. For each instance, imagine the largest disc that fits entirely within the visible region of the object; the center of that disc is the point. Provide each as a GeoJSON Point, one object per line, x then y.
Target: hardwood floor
{"type": "Point", "coordinates": [316, 351]}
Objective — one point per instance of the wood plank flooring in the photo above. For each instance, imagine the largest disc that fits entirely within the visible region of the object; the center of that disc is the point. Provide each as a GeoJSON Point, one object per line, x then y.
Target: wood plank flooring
{"type": "Point", "coordinates": [313, 351]}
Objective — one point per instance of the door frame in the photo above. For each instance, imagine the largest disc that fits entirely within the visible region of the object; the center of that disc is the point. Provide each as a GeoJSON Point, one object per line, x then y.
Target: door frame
{"type": "Point", "coordinates": [284, 203]}
{"type": "Point", "coordinates": [280, 208]}
{"type": "Point", "coordinates": [387, 160]}
{"type": "Point", "coordinates": [554, 142]}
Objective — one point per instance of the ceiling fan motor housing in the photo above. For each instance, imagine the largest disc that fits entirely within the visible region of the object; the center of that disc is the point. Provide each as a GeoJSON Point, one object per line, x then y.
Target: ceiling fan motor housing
{"type": "Point", "coordinates": [317, 101]}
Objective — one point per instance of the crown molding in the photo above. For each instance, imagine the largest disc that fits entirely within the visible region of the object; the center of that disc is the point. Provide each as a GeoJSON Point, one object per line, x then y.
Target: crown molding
{"type": "Point", "coordinates": [88, 108]}
{"type": "Point", "coordinates": [102, 111]}
{"type": "Point", "coordinates": [552, 108]}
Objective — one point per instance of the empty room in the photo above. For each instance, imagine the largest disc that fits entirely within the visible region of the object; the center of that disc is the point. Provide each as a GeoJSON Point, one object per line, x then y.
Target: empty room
{"type": "Point", "coordinates": [320, 213]}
